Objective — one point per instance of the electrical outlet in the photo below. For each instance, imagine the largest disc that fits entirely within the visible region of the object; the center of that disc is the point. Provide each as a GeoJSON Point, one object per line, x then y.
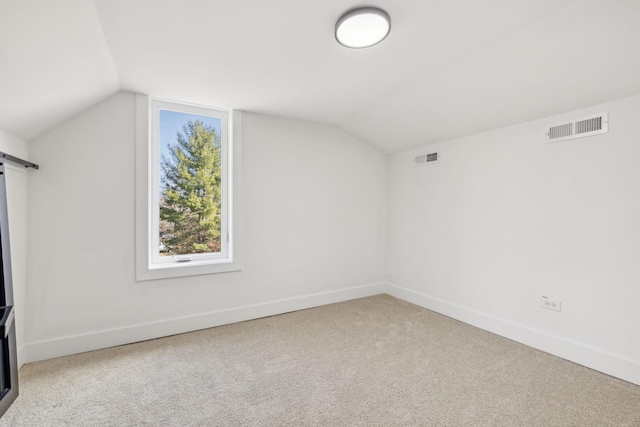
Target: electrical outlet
{"type": "Point", "coordinates": [551, 304]}
{"type": "Point", "coordinates": [392, 278]}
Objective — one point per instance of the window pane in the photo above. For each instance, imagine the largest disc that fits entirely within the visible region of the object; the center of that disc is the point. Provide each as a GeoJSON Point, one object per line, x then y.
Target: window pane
{"type": "Point", "coordinates": [190, 185]}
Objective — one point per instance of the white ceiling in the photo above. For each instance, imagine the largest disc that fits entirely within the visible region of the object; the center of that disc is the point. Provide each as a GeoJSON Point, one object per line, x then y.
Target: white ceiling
{"type": "Point", "coordinates": [54, 63]}
{"type": "Point", "coordinates": [447, 69]}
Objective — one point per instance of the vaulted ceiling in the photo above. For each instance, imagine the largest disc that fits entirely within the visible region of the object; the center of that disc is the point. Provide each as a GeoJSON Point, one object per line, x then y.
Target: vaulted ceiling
{"type": "Point", "coordinates": [448, 68]}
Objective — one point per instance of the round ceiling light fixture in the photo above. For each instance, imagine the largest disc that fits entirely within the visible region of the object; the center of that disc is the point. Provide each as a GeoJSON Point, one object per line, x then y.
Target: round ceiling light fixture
{"type": "Point", "coordinates": [363, 27]}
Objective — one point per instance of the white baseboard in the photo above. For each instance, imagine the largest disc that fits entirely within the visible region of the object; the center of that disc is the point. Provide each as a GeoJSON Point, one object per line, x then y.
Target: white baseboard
{"type": "Point", "coordinates": [21, 357]}
{"type": "Point", "coordinates": [65, 346]}
{"type": "Point", "coordinates": [611, 364]}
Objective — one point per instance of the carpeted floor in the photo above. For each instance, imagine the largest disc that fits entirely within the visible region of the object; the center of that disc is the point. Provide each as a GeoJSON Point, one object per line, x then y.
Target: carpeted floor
{"type": "Point", "coordinates": [376, 361]}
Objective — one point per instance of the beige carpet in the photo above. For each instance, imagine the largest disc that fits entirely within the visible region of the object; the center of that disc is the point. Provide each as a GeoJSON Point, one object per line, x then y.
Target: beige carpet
{"type": "Point", "coordinates": [375, 361]}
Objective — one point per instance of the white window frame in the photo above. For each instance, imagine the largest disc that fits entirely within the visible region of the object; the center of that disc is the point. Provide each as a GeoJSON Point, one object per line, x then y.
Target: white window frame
{"type": "Point", "coordinates": [149, 265]}
{"type": "Point", "coordinates": [223, 115]}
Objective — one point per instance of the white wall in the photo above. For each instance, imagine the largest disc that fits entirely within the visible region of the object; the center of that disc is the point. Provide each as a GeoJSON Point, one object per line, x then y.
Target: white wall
{"type": "Point", "coordinates": [313, 222]}
{"type": "Point", "coordinates": [17, 207]}
{"type": "Point", "coordinates": [505, 218]}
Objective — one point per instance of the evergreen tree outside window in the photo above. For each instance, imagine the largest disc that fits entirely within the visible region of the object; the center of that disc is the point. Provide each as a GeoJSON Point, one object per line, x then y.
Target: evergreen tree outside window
{"type": "Point", "coordinates": [190, 184]}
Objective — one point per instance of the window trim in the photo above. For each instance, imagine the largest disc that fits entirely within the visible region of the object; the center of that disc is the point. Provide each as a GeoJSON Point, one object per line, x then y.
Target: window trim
{"type": "Point", "coordinates": [147, 173]}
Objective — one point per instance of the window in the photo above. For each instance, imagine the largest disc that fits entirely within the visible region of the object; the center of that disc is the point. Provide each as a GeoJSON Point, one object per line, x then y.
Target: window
{"type": "Point", "coordinates": [187, 162]}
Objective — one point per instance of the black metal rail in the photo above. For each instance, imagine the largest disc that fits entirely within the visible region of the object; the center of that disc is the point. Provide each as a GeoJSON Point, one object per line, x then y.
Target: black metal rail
{"type": "Point", "coordinates": [19, 161]}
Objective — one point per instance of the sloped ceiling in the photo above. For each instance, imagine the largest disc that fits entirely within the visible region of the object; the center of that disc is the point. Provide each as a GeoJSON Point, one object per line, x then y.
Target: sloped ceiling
{"type": "Point", "coordinates": [448, 69]}
{"type": "Point", "coordinates": [54, 63]}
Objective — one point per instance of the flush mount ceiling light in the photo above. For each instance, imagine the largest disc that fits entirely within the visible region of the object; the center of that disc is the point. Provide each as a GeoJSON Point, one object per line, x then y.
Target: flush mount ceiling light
{"type": "Point", "coordinates": [363, 27]}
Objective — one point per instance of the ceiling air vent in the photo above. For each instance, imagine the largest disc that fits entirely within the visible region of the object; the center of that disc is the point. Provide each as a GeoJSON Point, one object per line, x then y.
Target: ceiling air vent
{"type": "Point", "coordinates": [426, 159]}
{"type": "Point", "coordinates": [587, 126]}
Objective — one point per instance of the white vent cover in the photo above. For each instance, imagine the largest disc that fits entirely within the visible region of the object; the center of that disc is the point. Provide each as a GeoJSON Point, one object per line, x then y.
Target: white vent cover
{"type": "Point", "coordinates": [425, 159]}
{"type": "Point", "coordinates": [586, 126]}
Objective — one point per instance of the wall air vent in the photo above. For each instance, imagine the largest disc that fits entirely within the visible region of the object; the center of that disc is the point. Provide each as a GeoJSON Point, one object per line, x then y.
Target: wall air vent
{"type": "Point", "coordinates": [587, 126]}
{"type": "Point", "coordinates": [426, 159]}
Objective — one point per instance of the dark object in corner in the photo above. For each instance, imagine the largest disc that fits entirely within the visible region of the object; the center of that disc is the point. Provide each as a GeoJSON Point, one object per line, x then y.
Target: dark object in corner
{"type": "Point", "coordinates": [8, 346]}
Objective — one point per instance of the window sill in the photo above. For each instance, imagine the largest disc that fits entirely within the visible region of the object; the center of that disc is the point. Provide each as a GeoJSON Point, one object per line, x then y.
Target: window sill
{"type": "Point", "coordinates": [183, 269]}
